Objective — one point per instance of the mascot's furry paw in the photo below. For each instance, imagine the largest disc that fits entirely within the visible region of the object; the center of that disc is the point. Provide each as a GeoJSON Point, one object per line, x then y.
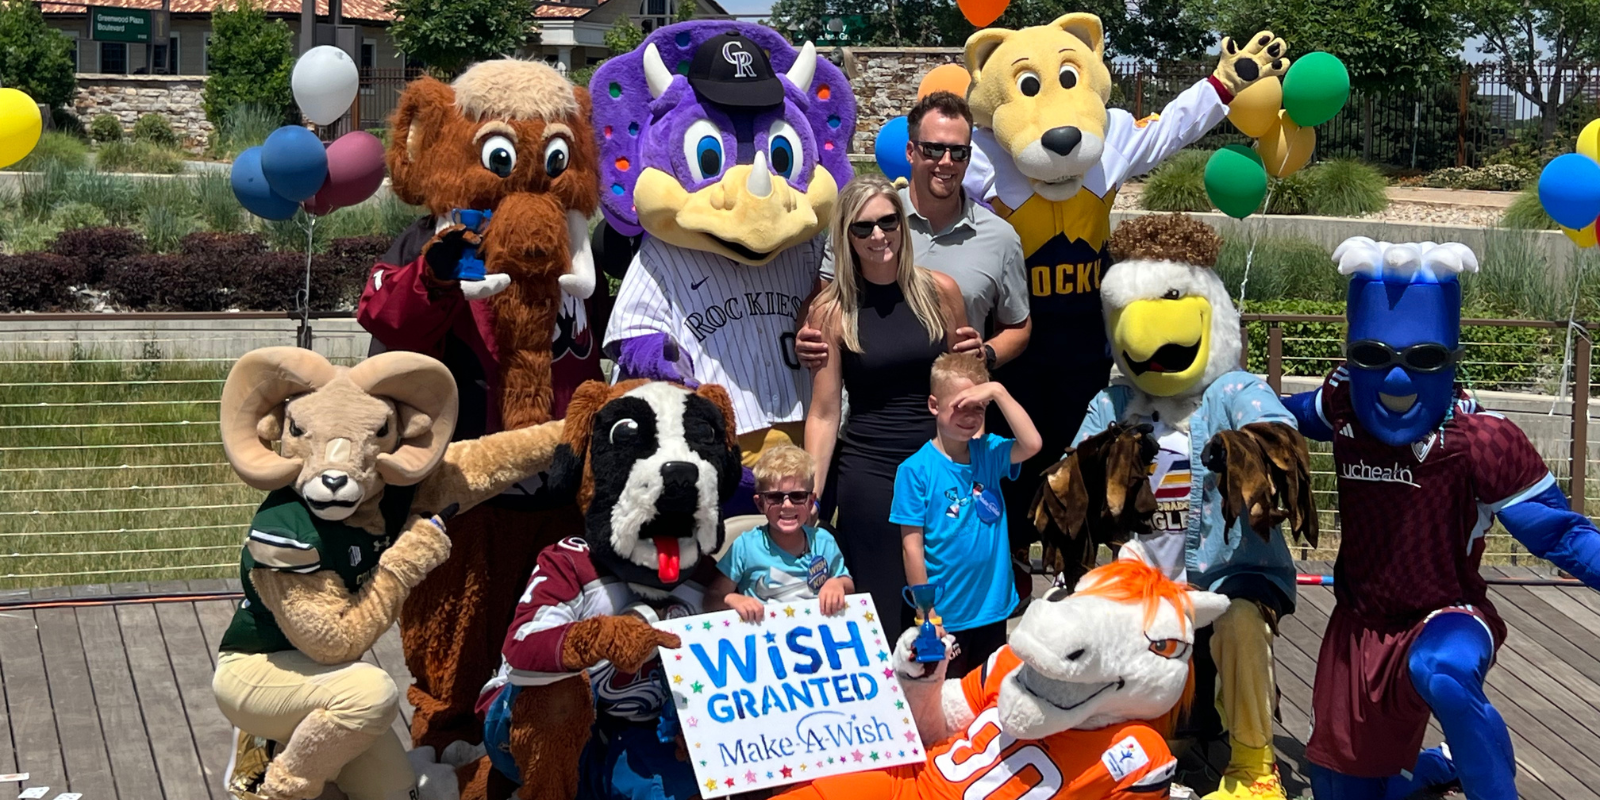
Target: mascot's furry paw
{"type": "Point", "coordinates": [907, 666]}
{"type": "Point", "coordinates": [1260, 57]}
{"type": "Point", "coordinates": [435, 781]}
{"type": "Point", "coordinates": [280, 784]}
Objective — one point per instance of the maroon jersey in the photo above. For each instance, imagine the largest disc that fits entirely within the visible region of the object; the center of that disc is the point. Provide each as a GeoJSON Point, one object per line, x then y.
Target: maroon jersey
{"type": "Point", "coordinates": [1413, 517]}
{"type": "Point", "coordinates": [567, 586]}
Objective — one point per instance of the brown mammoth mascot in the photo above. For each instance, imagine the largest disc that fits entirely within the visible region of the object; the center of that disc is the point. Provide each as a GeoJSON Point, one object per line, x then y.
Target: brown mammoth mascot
{"type": "Point", "coordinates": [497, 282]}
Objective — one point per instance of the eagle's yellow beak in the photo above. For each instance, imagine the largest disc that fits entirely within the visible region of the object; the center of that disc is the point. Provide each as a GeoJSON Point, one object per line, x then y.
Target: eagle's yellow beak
{"type": "Point", "coordinates": [1163, 345]}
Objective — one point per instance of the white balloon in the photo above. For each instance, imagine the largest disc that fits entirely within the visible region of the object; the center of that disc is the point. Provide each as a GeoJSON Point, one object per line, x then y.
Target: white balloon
{"type": "Point", "coordinates": [325, 83]}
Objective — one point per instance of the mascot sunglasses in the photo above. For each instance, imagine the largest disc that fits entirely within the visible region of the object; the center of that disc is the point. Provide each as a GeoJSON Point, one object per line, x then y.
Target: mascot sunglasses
{"type": "Point", "coordinates": [1425, 357]}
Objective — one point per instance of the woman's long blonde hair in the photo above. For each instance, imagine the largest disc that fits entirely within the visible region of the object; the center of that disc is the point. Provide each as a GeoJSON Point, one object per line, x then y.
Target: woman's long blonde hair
{"type": "Point", "coordinates": [841, 298]}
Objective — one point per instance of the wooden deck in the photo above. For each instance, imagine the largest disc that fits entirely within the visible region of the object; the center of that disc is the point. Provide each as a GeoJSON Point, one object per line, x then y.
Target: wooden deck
{"type": "Point", "coordinates": [114, 701]}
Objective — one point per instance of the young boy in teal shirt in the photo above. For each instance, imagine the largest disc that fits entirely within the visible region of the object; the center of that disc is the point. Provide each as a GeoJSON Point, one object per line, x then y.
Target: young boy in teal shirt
{"type": "Point", "coordinates": [785, 559]}
{"type": "Point", "coordinates": [952, 517]}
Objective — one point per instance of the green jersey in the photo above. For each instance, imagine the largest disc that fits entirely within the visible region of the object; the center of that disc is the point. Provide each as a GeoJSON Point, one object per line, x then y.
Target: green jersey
{"type": "Point", "coordinates": [286, 536]}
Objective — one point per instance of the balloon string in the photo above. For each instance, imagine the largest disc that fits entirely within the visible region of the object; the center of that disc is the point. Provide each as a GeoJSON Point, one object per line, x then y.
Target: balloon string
{"type": "Point", "coordinates": [1253, 231]}
{"type": "Point", "coordinates": [304, 297]}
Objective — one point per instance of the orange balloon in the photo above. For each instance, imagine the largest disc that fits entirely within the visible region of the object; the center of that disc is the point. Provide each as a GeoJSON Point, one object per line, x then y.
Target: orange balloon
{"type": "Point", "coordinates": [982, 12]}
{"type": "Point", "coordinates": [1287, 147]}
{"type": "Point", "coordinates": [952, 78]}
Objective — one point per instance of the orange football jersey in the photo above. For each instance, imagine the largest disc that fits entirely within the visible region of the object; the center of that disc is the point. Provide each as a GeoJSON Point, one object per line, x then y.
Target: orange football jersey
{"type": "Point", "coordinates": [1129, 761]}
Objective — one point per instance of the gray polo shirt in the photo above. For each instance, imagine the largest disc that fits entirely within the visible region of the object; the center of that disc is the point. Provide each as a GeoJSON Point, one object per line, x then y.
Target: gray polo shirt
{"type": "Point", "coordinates": [980, 251]}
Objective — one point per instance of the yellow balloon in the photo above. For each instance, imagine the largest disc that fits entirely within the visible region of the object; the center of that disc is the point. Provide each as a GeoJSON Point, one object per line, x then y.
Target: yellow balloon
{"type": "Point", "coordinates": [1583, 238]}
{"type": "Point", "coordinates": [1589, 140]}
{"type": "Point", "coordinates": [1254, 111]}
{"type": "Point", "coordinates": [951, 78]}
{"type": "Point", "coordinates": [1287, 147]}
{"type": "Point", "coordinates": [20, 124]}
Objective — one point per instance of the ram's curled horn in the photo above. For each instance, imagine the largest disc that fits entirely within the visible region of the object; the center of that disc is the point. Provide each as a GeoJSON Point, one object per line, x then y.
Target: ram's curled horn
{"type": "Point", "coordinates": [252, 404]}
{"type": "Point", "coordinates": [804, 68]}
{"type": "Point", "coordinates": [579, 282]}
{"type": "Point", "coordinates": [424, 386]}
{"type": "Point", "coordinates": [656, 73]}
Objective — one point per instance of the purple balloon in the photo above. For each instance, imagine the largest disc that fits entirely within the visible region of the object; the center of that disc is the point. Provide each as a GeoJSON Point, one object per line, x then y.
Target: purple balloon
{"type": "Point", "coordinates": [355, 171]}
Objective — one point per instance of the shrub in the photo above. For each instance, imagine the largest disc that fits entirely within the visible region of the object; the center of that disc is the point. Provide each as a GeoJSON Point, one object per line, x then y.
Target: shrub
{"type": "Point", "coordinates": [268, 281]}
{"type": "Point", "coordinates": [116, 195]}
{"type": "Point", "coordinates": [105, 128]}
{"type": "Point", "coordinates": [1527, 213]}
{"type": "Point", "coordinates": [139, 157]}
{"type": "Point", "coordinates": [155, 129]}
{"type": "Point", "coordinates": [244, 127]}
{"type": "Point", "coordinates": [61, 149]}
{"type": "Point", "coordinates": [251, 57]}
{"type": "Point", "coordinates": [35, 57]}
{"type": "Point", "coordinates": [1280, 268]}
{"type": "Point", "coordinates": [1344, 187]}
{"type": "Point", "coordinates": [165, 226]}
{"type": "Point", "coordinates": [78, 215]}
{"type": "Point", "coordinates": [42, 191]}
{"type": "Point", "coordinates": [165, 283]}
{"type": "Point", "coordinates": [96, 249]}
{"type": "Point", "coordinates": [1178, 185]}
{"type": "Point", "coordinates": [222, 249]}
{"type": "Point", "coordinates": [1290, 195]}
{"type": "Point", "coordinates": [38, 282]}
{"type": "Point", "coordinates": [1495, 178]}
{"type": "Point", "coordinates": [219, 209]}
{"type": "Point", "coordinates": [338, 276]}
{"type": "Point", "coordinates": [68, 122]}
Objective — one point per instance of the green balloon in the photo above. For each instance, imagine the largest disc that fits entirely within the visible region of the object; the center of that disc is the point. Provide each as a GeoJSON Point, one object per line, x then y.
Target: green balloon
{"type": "Point", "coordinates": [1236, 181]}
{"type": "Point", "coordinates": [1315, 88]}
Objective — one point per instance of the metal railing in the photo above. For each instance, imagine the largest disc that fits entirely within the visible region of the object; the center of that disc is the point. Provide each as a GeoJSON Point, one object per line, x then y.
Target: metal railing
{"type": "Point", "coordinates": [111, 468]}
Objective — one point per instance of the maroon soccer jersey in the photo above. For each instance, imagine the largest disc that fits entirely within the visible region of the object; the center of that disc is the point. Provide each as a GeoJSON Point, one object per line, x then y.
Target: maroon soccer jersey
{"type": "Point", "coordinates": [1413, 517]}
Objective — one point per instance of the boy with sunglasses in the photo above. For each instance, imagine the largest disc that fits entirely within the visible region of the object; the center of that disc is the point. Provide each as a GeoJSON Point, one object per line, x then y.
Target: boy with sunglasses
{"type": "Point", "coordinates": [785, 559]}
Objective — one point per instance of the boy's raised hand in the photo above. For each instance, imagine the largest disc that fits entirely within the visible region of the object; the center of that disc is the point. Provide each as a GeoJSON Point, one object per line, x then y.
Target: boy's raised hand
{"type": "Point", "coordinates": [981, 395]}
{"type": "Point", "coordinates": [749, 608]}
{"type": "Point", "coordinates": [831, 597]}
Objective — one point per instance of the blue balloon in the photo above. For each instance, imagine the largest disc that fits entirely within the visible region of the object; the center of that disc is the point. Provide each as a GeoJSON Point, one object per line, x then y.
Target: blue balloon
{"type": "Point", "coordinates": [1569, 190]}
{"type": "Point", "coordinates": [295, 162]}
{"type": "Point", "coordinates": [253, 191]}
{"type": "Point", "coordinates": [890, 149]}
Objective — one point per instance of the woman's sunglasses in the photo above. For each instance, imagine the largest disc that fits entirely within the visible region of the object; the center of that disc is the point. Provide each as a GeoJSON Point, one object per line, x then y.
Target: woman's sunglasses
{"type": "Point", "coordinates": [1425, 357]}
{"type": "Point", "coordinates": [863, 229]}
{"type": "Point", "coordinates": [797, 497]}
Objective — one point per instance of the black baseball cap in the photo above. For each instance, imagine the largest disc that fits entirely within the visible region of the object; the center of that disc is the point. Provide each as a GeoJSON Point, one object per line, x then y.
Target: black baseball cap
{"type": "Point", "coordinates": [730, 70]}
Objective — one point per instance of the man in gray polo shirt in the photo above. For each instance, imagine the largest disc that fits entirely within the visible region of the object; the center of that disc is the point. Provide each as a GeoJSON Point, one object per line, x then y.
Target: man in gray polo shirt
{"type": "Point", "coordinates": [952, 234]}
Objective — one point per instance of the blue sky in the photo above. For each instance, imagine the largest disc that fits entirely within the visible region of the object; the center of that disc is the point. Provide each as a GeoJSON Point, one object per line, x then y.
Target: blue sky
{"type": "Point", "coordinates": [747, 6]}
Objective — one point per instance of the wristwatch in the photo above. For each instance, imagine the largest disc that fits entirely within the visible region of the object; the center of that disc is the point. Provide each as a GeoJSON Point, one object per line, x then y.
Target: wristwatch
{"type": "Point", "coordinates": [989, 358]}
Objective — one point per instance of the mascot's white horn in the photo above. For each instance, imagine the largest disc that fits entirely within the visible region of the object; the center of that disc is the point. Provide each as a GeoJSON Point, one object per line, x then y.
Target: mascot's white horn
{"type": "Point", "coordinates": [759, 184]}
{"type": "Point", "coordinates": [655, 71]}
{"type": "Point", "coordinates": [805, 67]}
{"type": "Point", "coordinates": [579, 281]}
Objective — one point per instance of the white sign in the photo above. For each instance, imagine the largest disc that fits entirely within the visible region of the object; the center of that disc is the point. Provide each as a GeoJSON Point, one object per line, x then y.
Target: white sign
{"type": "Point", "coordinates": [796, 697]}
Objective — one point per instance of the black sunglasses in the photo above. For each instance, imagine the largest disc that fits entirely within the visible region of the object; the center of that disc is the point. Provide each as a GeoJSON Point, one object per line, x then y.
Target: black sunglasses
{"type": "Point", "coordinates": [933, 151]}
{"type": "Point", "coordinates": [1425, 357]}
{"type": "Point", "coordinates": [797, 497]}
{"type": "Point", "coordinates": [863, 229]}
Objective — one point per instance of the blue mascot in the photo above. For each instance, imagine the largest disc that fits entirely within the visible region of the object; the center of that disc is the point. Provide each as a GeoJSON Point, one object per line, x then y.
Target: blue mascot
{"type": "Point", "coordinates": [1423, 471]}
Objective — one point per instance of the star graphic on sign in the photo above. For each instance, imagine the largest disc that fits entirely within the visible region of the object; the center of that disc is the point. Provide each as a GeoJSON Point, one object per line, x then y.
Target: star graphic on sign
{"type": "Point", "coordinates": [769, 774]}
{"type": "Point", "coordinates": [677, 679]}
{"type": "Point", "coordinates": [774, 615]}
{"type": "Point", "coordinates": [857, 755]}
{"type": "Point", "coordinates": [802, 768]}
{"type": "Point", "coordinates": [771, 637]}
{"type": "Point", "coordinates": [726, 623]}
{"type": "Point", "coordinates": [867, 616]}
{"type": "Point", "coordinates": [913, 751]}
{"type": "Point", "coordinates": [902, 754]}
{"type": "Point", "coordinates": [677, 656]}
{"type": "Point", "coordinates": [697, 686]}
{"type": "Point", "coordinates": [878, 642]}
{"type": "Point", "coordinates": [711, 783]}
{"type": "Point", "coordinates": [786, 771]}
{"type": "Point", "coordinates": [819, 765]}
{"type": "Point", "coordinates": [749, 777]}
{"type": "Point", "coordinates": [888, 672]}
{"type": "Point", "coordinates": [683, 701]}
{"type": "Point", "coordinates": [899, 705]}
{"type": "Point", "coordinates": [905, 720]}
{"type": "Point", "coordinates": [788, 611]}
{"type": "Point", "coordinates": [830, 759]}
{"type": "Point", "coordinates": [863, 601]}
{"type": "Point", "coordinates": [882, 656]}
{"type": "Point", "coordinates": [874, 755]}
{"type": "Point", "coordinates": [911, 736]}
{"type": "Point", "coordinates": [706, 625]}
{"type": "Point", "coordinates": [729, 781]}
{"type": "Point", "coordinates": [894, 688]}
{"type": "Point", "coordinates": [808, 612]}
{"type": "Point", "coordinates": [694, 723]}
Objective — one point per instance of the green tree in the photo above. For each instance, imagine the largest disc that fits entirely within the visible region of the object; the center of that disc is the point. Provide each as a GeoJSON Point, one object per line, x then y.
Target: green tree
{"type": "Point", "coordinates": [1543, 47]}
{"type": "Point", "coordinates": [1386, 44]}
{"type": "Point", "coordinates": [35, 57]}
{"type": "Point", "coordinates": [448, 35]}
{"type": "Point", "coordinates": [251, 59]}
{"type": "Point", "coordinates": [623, 36]}
{"type": "Point", "coordinates": [684, 12]}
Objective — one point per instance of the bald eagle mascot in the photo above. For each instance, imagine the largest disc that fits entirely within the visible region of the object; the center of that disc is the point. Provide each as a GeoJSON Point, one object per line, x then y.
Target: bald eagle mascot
{"type": "Point", "coordinates": [1183, 453]}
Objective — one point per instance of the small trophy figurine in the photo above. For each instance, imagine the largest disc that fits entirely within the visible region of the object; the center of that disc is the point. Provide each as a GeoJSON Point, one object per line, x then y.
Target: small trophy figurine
{"type": "Point", "coordinates": [472, 267]}
{"type": "Point", "coordinates": [929, 648]}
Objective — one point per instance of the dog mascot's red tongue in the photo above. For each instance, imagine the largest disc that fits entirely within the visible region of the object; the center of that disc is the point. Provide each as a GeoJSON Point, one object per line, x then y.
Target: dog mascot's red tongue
{"type": "Point", "coordinates": [667, 558]}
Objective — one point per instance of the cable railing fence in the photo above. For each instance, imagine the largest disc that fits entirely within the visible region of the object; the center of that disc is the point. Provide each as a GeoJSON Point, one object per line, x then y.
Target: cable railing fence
{"type": "Point", "coordinates": [111, 468]}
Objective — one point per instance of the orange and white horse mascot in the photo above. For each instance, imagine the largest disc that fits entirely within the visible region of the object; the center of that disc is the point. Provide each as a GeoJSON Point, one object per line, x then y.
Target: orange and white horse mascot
{"type": "Point", "coordinates": [1073, 708]}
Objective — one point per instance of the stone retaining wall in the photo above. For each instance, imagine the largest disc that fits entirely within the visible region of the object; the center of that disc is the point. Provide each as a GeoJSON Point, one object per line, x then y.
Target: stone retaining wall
{"type": "Point", "coordinates": [885, 81]}
{"type": "Point", "coordinates": [127, 97]}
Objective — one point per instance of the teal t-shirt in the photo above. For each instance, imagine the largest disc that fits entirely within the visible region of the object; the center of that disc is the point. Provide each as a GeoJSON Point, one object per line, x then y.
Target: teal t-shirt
{"type": "Point", "coordinates": [963, 521]}
{"type": "Point", "coordinates": [763, 570]}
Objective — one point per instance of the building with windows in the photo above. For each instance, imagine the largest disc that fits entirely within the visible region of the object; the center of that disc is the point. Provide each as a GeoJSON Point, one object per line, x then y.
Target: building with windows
{"type": "Point", "coordinates": [572, 33]}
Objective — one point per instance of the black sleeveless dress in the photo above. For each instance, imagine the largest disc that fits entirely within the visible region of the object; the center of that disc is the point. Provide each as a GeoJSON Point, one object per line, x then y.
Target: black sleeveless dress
{"type": "Point", "coordinates": [889, 421]}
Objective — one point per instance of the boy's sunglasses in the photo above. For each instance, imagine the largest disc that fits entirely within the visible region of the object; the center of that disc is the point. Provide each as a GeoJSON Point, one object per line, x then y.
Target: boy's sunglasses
{"type": "Point", "coordinates": [863, 229]}
{"type": "Point", "coordinates": [796, 497]}
{"type": "Point", "coordinates": [1425, 357]}
{"type": "Point", "coordinates": [934, 151]}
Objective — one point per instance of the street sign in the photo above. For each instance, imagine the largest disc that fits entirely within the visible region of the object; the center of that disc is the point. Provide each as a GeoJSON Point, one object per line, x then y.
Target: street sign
{"type": "Point", "coordinates": [845, 30]}
{"type": "Point", "coordinates": [108, 24]}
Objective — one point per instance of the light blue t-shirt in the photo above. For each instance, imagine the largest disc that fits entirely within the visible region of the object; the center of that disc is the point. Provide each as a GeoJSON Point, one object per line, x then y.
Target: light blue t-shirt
{"type": "Point", "coordinates": [763, 570]}
{"type": "Point", "coordinates": [963, 521]}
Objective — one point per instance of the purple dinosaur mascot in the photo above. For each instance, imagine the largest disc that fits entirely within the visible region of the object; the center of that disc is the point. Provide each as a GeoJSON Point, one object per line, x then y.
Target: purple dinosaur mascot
{"type": "Point", "coordinates": [726, 147]}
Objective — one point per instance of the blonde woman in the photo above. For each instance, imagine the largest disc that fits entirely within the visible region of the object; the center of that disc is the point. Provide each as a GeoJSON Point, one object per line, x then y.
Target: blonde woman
{"type": "Point", "coordinates": [884, 320]}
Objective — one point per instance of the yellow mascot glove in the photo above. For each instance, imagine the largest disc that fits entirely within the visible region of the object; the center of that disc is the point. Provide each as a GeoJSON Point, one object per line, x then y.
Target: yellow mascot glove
{"type": "Point", "coordinates": [1260, 57]}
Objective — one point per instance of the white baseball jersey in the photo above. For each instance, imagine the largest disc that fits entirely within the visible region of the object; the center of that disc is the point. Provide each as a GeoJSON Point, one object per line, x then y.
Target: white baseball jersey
{"type": "Point", "coordinates": [735, 322]}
